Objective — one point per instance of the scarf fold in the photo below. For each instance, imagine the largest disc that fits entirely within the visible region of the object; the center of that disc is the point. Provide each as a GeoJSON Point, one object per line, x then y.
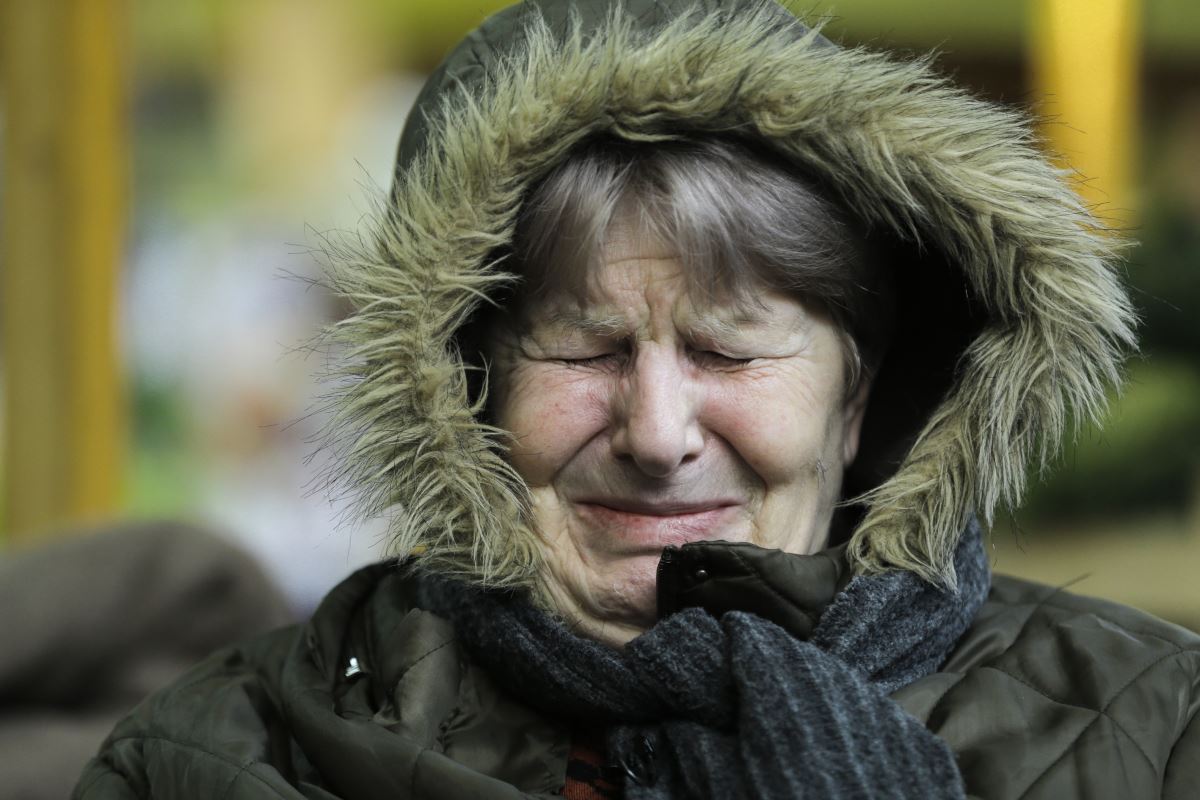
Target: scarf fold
{"type": "Point", "coordinates": [737, 707]}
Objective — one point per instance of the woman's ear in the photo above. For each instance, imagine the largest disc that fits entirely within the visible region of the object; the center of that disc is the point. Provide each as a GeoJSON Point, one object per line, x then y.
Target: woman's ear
{"type": "Point", "coordinates": [853, 412]}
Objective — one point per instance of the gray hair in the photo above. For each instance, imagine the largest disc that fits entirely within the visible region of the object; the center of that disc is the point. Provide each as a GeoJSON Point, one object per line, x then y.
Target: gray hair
{"type": "Point", "coordinates": [730, 210]}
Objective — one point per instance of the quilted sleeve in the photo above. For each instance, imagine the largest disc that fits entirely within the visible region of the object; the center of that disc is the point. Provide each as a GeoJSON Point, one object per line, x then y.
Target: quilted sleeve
{"type": "Point", "coordinates": [214, 733]}
{"type": "Point", "coordinates": [101, 782]}
{"type": "Point", "coordinates": [1182, 776]}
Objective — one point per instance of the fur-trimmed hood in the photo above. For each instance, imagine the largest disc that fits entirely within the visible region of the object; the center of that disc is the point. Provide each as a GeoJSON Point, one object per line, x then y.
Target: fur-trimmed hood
{"type": "Point", "coordinates": [1011, 314]}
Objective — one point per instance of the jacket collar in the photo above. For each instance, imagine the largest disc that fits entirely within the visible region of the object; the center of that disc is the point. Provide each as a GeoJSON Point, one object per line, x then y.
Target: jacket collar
{"type": "Point", "coordinates": [788, 589]}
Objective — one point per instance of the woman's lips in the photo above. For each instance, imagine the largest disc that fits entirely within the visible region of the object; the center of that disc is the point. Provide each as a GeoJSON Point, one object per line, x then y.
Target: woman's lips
{"type": "Point", "coordinates": [656, 527]}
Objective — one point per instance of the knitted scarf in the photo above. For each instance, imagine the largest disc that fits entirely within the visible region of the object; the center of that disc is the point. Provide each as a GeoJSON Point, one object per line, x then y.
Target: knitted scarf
{"type": "Point", "coordinates": [737, 707]}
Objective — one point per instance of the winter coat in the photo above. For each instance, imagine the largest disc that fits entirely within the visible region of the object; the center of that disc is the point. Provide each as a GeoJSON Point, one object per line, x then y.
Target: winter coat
{"type": "Point", "coordinates": [1048, 695]}
{"type": "Point", "coordinates": [1010, 318]}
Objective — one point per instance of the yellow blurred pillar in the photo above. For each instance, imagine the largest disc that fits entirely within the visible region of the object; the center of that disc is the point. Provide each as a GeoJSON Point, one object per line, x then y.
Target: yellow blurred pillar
{"type": "Point", "coordinates": [65, 173]}
{"type": "Point", "coordinates": [1085, 59]}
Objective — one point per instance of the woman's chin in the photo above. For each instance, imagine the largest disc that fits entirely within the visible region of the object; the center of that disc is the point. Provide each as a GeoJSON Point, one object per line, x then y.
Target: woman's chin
{"type": "Point", "coordinates": [615, 603]}
{"type": "Point", "coordinates": [633, 589]}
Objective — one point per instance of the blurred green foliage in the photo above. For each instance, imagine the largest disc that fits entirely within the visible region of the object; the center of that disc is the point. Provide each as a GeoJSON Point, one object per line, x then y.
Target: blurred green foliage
{"type": "Point", "coordinates": [1164, 271]}
{"type": "Point", "coordinates": [1146, 455]}
{"type": "Point", "coordinates": [163, 470]}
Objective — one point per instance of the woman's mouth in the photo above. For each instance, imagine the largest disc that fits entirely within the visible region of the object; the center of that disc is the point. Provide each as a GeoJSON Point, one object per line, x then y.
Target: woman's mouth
{"type": "Point", "coordinates": [654, 526]}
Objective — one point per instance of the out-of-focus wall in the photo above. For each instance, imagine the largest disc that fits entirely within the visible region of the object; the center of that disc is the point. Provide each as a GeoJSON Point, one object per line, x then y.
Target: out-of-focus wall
{"type": "Point", "coordinates": [260, 126]}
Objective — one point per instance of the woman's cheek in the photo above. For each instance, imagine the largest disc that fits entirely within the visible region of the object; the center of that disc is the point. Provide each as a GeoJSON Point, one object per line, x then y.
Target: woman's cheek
{"type": "Point", "coordinates": [552, 412]}
{"type": "Point", "coordinates": [770, 426]}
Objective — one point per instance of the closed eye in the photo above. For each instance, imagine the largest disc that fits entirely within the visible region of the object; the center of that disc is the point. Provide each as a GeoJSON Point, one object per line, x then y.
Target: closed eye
{"type": "Point", "coordinates": [601, 360]}
{"type": "Point", "coordinates": [706, 358]}
{"type": "Point", "coordinates": [712, 358]}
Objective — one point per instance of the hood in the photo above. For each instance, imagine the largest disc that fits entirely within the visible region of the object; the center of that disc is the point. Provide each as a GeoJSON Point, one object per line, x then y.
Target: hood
{"type": "Point", "coordinates": [1011, 315]}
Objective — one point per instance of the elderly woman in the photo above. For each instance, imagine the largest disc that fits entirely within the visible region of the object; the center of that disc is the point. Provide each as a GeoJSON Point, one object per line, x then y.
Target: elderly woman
{"type": "Point", "coordinates": [686, 354]}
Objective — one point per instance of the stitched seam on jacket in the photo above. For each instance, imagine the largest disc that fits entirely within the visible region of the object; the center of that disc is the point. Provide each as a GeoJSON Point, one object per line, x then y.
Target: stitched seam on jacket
{"type": "Point", "coordinates": [406, 670]}
{"type": "Point", "coordinates": [1126, 628]}
{"type": "Point", "coordinates": [1192, 720]}
{"type": "Point", "coordinates": [1042, 602]}
{"type": "Point", "coordinates": [958, 678]}
{"type": "Point", "coordinates": [109, 769]}
{"type": "Point", "coordinates": [83, 790]}
{"type": "Point", "coordinates": [233, 781]}
{"type": "Point", "coordinates": [223, 673]}
{"type": "Point", "coordinates": [787, 603]}
{"type": "Point", "coordinates": [1028, 618]}
{"type": "Point", "coordinates": [412, 770]}
{"type": "Point", "coordinates": [1055, 591]}
{"type": "Point", "coordinates": [1071, 744]}
{"type": "Point", "coordinates": [1102, 712]}
{"type": "Point", "coordinates": [242, 767]}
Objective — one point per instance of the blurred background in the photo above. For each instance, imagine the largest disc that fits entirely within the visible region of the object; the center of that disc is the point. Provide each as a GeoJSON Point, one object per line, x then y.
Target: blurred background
{"type": "Point", "coordinates": [167, 166]}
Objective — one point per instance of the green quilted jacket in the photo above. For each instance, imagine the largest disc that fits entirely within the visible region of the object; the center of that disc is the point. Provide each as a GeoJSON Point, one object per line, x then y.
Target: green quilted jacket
{"type": "Point", "coordinates": [1049, 695]}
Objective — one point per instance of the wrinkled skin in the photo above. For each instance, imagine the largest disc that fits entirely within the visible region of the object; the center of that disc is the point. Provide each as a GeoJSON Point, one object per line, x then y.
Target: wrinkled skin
{"type": "Point", "coordinates": [641, 420]}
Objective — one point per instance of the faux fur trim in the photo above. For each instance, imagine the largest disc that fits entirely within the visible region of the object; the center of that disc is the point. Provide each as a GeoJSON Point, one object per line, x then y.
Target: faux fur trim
{"type": "Point", "coordinates": [906, 150]}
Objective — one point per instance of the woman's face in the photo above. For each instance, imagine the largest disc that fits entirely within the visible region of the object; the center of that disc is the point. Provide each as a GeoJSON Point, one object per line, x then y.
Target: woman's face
{"type": "Point", "coordinates": [641, 420]}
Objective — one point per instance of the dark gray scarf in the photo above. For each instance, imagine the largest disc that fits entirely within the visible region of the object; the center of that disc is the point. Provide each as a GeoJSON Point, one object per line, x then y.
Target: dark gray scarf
{"type": "Point", "coordinates": [737, 707]}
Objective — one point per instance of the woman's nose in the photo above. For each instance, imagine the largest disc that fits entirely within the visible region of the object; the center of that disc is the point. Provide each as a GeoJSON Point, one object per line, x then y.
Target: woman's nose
{"type": "Point", "coordinates": [657, 425]}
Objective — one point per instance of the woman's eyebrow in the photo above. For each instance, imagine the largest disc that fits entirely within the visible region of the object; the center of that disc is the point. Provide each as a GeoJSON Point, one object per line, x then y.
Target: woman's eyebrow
{"type": "Point", "coordinates": [722, 328]}
{"type": "Point", "coordinates": [715, 328]}
{"type": "Point", "coordinates": [572, 319]}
